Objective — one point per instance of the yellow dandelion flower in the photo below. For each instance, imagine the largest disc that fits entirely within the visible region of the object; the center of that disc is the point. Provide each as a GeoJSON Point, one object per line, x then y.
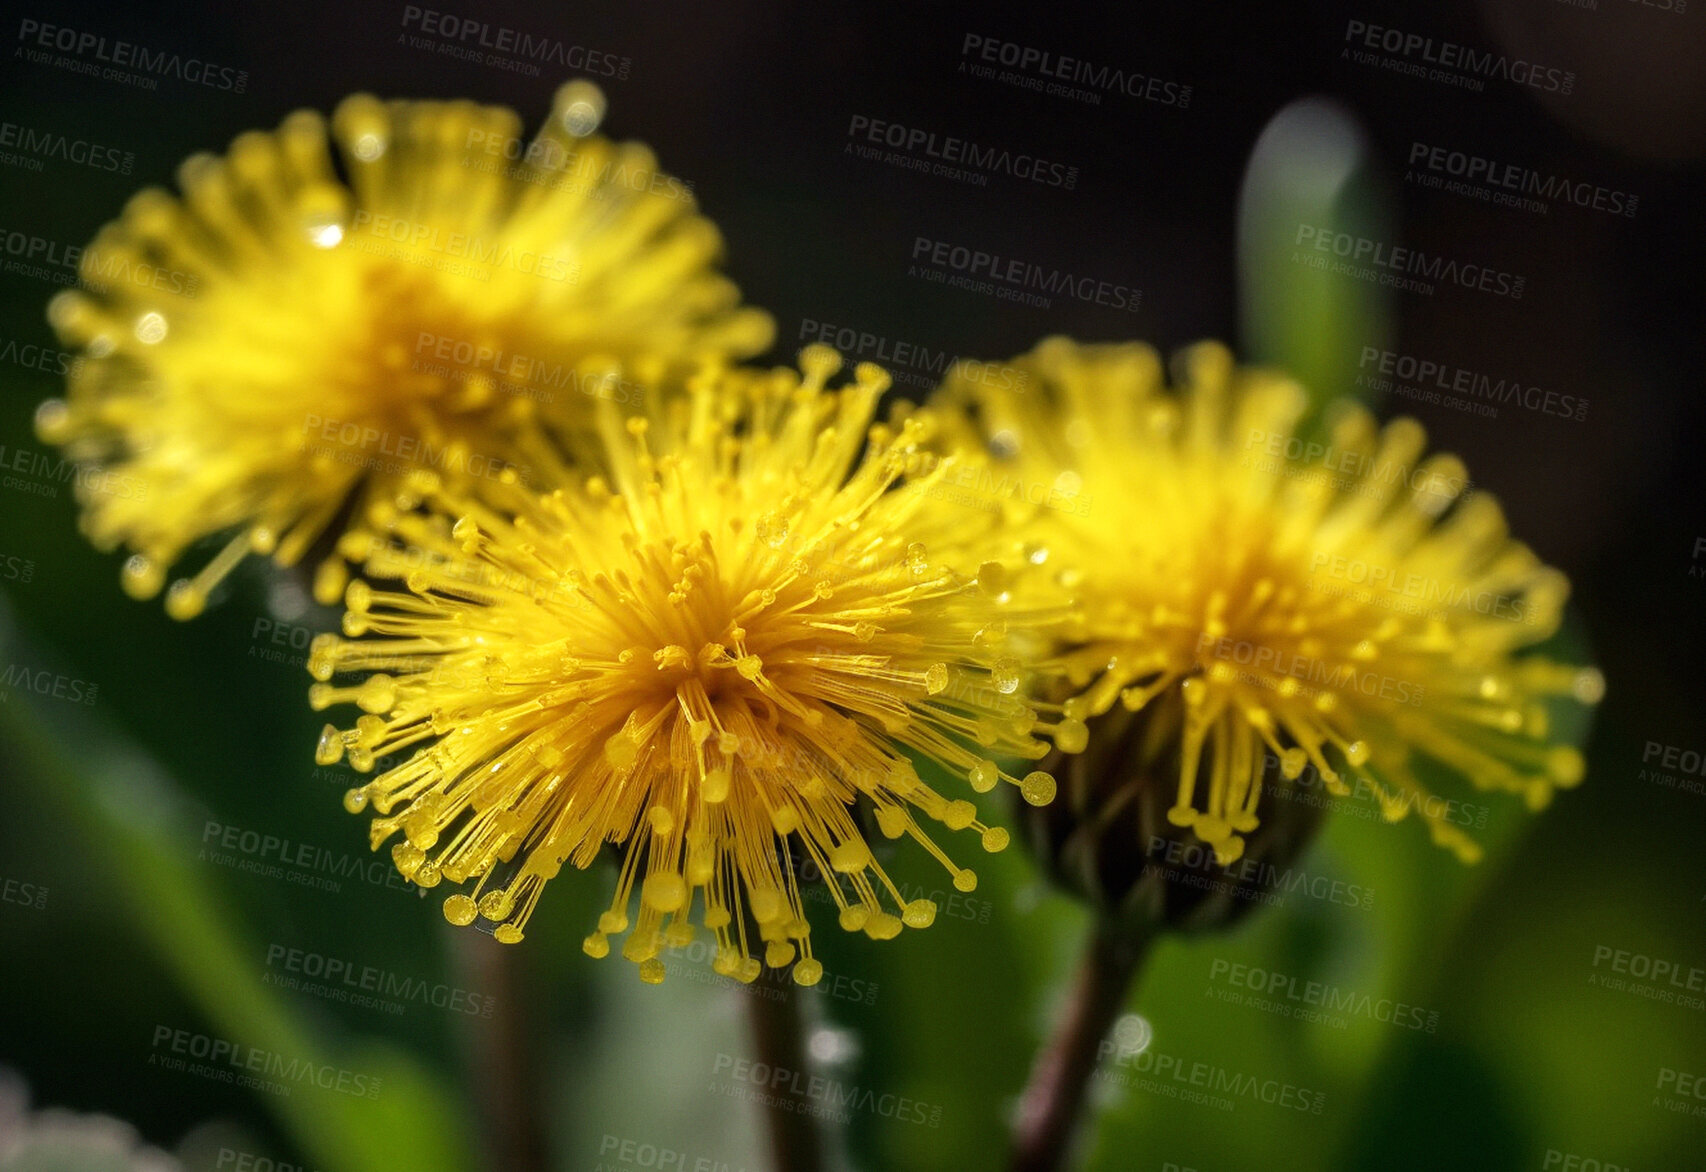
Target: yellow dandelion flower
{"type": "Point", "coordinates": [717, 652]}
{"type": "Point", "coordinates": [1350, 604]}
{"type": "Point", "coordinates": [299, 331]}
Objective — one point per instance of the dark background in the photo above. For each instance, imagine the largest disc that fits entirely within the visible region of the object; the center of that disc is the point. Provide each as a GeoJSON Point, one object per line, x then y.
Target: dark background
{"type": "Point", "coordinates": [752, 103]}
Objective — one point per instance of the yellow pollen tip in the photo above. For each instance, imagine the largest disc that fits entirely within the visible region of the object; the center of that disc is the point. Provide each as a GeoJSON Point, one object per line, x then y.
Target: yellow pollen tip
{"type": "Point", "coordinates": [1037, 788]}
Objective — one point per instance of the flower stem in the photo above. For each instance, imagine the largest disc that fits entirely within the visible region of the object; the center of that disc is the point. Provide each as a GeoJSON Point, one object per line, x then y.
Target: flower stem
{"type": "Point", "coordinates": [779, 1036]}
{"type": "Point", "coordinates": [1053, 1101]}
{"type": "Point", "coordinates": [505, 1078]}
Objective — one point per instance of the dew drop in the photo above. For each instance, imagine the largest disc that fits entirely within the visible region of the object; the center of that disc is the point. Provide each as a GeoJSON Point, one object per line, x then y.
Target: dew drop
{"type": "Point", "coordinates": [936, 679]}
{"type": "Point", "coordinates": [983, 776]}
{"type": "Point", "coordinates": [580, 107]}
{"type": "Point", "coordinates": [53, 421]}
{"type": "Point", "coordinates": [329, 749]}
{"type": "Point", "coordinates": [184, 600]}
{"type": "Point", "coordinates": [142, 577]}
{"type": "Point", "coordinates": [150, 328]}
{"type": "Point", "coordinates": [772, 530]}
{"type": "Point", "coordinates": [1004, 674]}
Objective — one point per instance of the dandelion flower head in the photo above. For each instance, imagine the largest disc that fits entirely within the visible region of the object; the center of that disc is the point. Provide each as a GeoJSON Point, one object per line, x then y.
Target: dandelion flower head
{"type": "Point", "coordinates": [721, 652]}
{"type": "Point", "coordinates": [1347, 603]}
{"type": "Point", "coordinates": [303, 327]}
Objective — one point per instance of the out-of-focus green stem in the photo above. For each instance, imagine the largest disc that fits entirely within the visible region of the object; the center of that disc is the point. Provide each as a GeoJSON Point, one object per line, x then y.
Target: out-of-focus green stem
{"type": "Point", "coordinates": [1311, 184]}
{"type": "Point", "coordinates": [1053, 1101]}
{"type": "Point", "coordinates": [130, 820]}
